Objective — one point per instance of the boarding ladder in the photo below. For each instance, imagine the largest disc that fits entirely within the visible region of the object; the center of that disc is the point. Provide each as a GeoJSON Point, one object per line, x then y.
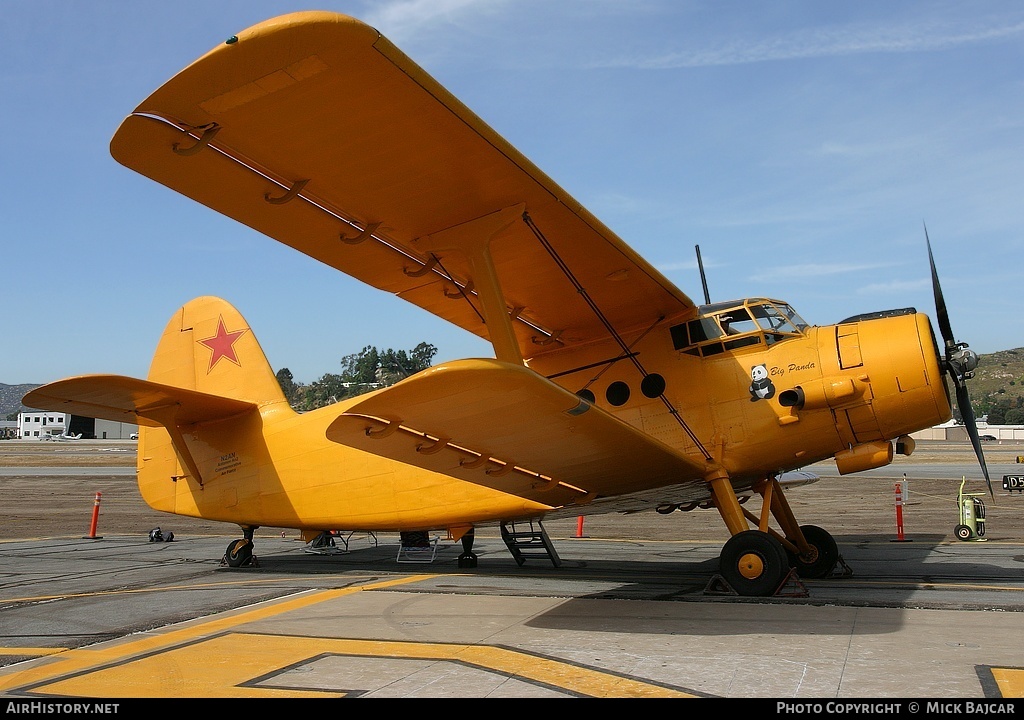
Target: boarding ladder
{"type": "Point", "coordinates": [526, 544]}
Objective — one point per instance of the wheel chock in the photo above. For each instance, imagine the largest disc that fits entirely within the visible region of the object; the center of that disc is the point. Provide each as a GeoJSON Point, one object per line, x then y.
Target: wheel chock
{"type": "Point", "coordinates": [791, 586]}
{"type": "Point", "coordinates": [718, 585]}
{"type": "Point", "coordinates": [251, 562]}
{"type": "Point", "coordinates": [840, 569]}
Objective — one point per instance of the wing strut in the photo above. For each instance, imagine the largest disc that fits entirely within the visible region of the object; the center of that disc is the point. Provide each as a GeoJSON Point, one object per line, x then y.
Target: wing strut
{"type": "Point", "coordinates": [611, 330]}
{"type": "Point", "coordinates": [473, 239]}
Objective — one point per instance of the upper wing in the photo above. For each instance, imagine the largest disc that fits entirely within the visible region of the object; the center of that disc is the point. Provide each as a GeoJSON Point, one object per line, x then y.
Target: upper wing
{"type": "Point", "coordinates": [125, 399]}
{"type": "Point", "coordinates": [504, 426]}
{"type": "Point", "coordinates": [315, 130]}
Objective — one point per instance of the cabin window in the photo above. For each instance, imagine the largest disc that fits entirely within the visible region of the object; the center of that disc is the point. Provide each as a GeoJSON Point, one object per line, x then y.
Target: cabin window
{"type": "Point", "coordinates": [652, 385]}
{"type": "Point", "coordinates": [695, 331]}
{"type": "Point", "coordinates": [742, 342]}
{"type": "Point", "coordinates": [680, 338]}
{"type": "Point", "coordinates": [617, 393]}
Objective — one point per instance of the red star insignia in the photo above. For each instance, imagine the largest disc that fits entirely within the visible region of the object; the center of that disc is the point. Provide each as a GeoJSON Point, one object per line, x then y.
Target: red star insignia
{"type": "Point", "coordinates": [222, 345]}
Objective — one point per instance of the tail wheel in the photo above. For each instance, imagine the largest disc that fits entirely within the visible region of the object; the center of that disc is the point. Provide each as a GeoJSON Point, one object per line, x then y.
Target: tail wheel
{"type": "Point", "coordinates": [239, 552]}
{"type": "Point", "coordinates": [753, 563]}
{"type": "Point", "coordinates": [823, 556]}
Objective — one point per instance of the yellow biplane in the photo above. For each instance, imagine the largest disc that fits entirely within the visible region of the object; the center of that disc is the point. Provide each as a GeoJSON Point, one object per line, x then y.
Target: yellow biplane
{"type": "Point", "coordinates": [610, 389]}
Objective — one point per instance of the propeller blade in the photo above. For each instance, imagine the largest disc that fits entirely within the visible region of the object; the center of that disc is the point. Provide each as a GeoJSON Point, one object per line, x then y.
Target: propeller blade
{"type": "Point", "coordinates": [964, 403]}
{"type": "Point", "coordinates": [959, 364]}
{"type": "Point", "coordinates": [941, 316]}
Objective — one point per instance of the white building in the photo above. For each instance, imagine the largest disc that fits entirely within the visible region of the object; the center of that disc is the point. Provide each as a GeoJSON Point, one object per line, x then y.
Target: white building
{"type": "Point", "coordinates": [41, 423]}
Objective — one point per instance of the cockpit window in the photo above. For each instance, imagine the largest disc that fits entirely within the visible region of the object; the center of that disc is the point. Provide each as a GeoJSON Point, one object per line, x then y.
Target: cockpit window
{"type": "Point", "coordinates": [771, 318]}
{"type": "Point", "coordinates": [729, 326]}
{"type": "Point", "coordinates": [737, 321]}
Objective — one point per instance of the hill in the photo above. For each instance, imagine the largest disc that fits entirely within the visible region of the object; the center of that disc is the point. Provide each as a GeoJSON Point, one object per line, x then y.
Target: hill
{"type": "Point", "coordinates": [10, 398]}
{"type": "Point", "coordinates": [998, 383]}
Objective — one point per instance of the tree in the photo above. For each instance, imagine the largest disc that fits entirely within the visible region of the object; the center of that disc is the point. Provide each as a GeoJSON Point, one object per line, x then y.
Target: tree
{"type": "Point", "coordinates": [361, 367]}
{"type": "Point", "coordinates": [997, 413]}
{"type": "Point", "coordinates": [328, 389]}
{"type": "Point", "coordinates": [370, 367]}
{"type": "Point", "coordinates": [361, 372]}
{"type": "Point", "coordinates": [288, 386]}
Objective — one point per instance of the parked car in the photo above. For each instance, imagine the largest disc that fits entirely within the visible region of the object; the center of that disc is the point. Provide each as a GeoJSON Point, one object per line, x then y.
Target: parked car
{"type": "Point", "coordinates": [988, 438]}
{"type": "Point", "coordinates": [133, 436]}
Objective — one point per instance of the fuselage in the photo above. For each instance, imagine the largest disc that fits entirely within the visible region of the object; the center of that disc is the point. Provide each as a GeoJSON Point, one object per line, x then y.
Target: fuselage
{"type": "Point", "coordinates": [277, 468]}
{"type": "Point", "coordinates": [751, 386]}
{"type": "Point", "coordinates": [746, 387]}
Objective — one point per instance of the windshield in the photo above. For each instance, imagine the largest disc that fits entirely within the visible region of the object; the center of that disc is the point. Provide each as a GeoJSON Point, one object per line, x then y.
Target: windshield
{"type": "Point", "coordinates": [737, 324]}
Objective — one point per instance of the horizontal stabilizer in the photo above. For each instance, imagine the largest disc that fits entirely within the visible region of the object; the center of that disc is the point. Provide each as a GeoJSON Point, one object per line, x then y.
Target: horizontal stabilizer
{"type": "Point", "coordinates": [126, 399]}
{"type": "Point", "coordinates": [505, 426]}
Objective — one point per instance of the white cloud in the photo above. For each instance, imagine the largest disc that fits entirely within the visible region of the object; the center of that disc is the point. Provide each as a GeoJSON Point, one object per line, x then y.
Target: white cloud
{"type": "Point", "coordinates": [400, 19]}
{"type": "Point", "coordinates": [895, 287]}
{"type": "Point", "coordinates": [816, 270]}
{"type": "Point", "coordinates": [670, 267]}
{"type": "Point", "coordinates": [823, 42]}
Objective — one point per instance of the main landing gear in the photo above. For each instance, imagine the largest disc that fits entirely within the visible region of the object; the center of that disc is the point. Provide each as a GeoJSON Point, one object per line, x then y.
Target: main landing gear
{"type": "Point", "coordinates": [759, 562]}
{"type": "Point", "coordinates": [239, 552]}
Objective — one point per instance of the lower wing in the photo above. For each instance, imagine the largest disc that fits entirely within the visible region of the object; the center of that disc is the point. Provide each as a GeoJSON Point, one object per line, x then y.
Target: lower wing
{"type": "Point", "coordinates": [504, 426]}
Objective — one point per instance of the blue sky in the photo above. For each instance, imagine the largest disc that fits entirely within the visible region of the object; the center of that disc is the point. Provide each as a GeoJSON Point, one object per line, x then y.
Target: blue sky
{"type": "Point", "coordinates": [802, 145]}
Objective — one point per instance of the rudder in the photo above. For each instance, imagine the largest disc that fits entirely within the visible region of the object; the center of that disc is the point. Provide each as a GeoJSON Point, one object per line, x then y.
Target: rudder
{"type": "Point", "coordinates": [208, 346]}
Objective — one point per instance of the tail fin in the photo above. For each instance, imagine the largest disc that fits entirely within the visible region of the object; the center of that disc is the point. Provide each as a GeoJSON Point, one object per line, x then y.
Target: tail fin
{"type": "Point", "coordinates": [207, 346]}
{"type": "Point", "coordinates": [208, 370]}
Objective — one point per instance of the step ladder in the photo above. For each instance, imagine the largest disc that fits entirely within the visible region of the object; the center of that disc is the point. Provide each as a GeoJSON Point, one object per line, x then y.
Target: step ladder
{"type": "Point", "coordinates": [417, 547]}
{"type": "Point", "coordinates": [529, 544]}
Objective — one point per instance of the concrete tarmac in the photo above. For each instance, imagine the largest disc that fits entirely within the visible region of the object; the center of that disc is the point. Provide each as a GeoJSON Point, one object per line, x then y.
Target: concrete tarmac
{"type": "Point", "coordinates": [123, 617]}
{"type": "Point", "coordinates": [630, 612]}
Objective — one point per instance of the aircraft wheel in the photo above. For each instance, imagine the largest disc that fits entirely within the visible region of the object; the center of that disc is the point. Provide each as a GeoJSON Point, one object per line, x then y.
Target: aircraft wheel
{"type": "Point", "coordinates": [963, 532]}
{"type": "Point", "coordinates": [239, 552]}
{"type": "Point", "coordinates": [824, 553]}
{"type": "Point", "coordinates": [753, 563]}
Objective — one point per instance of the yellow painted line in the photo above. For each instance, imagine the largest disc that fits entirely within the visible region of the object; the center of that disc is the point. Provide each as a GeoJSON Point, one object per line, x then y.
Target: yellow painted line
{"type": "Point", "coordinates": [1010, 681]}
{"type": "Point", "coordinates": [86, 658]}
{"type": "Point", "coordinates": [39, 651]}
{"type": "Point", "coordinates": [225, 666]}
{"type": "Point", "coordinates": [187, 663]}
{"type": "Point", "coordinates": [165, 588]}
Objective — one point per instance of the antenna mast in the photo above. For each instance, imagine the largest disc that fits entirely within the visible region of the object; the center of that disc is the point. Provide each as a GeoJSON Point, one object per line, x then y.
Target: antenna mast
{"type": "Point", "coordinates": [703, 280]}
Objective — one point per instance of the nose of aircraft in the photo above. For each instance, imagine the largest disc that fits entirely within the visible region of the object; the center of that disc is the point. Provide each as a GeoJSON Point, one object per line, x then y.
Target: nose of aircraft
{"type": "Point", "coordinates": [959, 363]}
